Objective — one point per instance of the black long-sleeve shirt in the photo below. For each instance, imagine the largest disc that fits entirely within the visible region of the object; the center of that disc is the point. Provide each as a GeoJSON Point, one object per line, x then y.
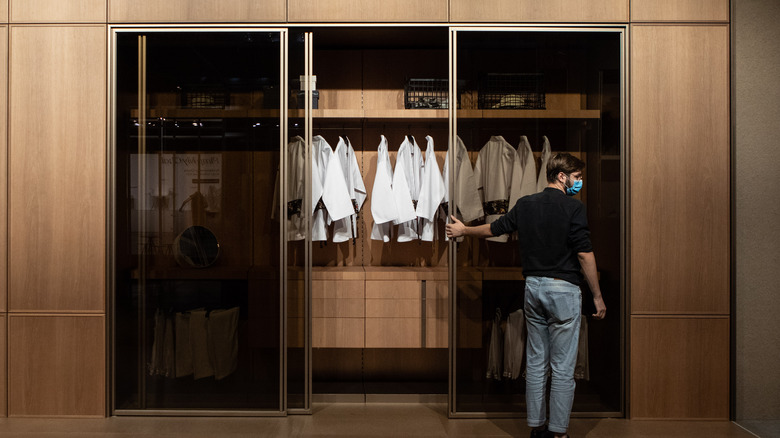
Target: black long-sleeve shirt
{"type": "Point", "coordinates": [551, 229]}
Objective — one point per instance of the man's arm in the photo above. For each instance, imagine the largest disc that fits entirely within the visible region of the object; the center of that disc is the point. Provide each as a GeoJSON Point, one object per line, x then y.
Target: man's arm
{"type": "Point", "coordinates": [457, 229]}
{"type": "Point", "coordinates": [588, 264]}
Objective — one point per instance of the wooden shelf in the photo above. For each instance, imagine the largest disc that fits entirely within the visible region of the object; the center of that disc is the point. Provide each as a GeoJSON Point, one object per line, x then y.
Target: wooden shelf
{"type": "Point", "coordinates": [325, 113]}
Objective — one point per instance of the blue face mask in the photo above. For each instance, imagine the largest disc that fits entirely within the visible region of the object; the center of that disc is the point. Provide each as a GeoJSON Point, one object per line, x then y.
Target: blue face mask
{"type": "Point", "coordinates": [575, 188]}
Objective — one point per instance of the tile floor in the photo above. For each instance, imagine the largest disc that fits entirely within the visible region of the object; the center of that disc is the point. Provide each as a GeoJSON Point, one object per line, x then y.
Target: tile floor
{"type": "Point", "coordinates": [353, 420]}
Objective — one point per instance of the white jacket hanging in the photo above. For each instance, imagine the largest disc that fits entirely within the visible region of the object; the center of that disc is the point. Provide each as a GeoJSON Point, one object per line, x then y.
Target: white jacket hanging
{"type": "Point", "coordinates": [383, 205]}
{"type": "Point", "coordinates": [408, 167]}
{"type": "Point", "coordinates": [336, 203]}
{"type": "Point", "coordinates": [546, 154]}
{"type": "Point", "coordinates": [467, 196]}
{"type": "Point", "coordinates": [493, 173]}
{"type": "Point", "coordinates": [524, 173]}
{"type": "Point", "coordinates": [346, 228]}
{"type": "Point", "coordinates": [432, 192]}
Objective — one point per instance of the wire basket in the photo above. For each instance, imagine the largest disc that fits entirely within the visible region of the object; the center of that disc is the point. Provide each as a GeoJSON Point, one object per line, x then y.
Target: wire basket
{"type": "Point", "coordinates": [511, 91]}
{"type": "Point", "coordinates": [426, 94]}
{"type": "Point", "coordinates": [200, 97]}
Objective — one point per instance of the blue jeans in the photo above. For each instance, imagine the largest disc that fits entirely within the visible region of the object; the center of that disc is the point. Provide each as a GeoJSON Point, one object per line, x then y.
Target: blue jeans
{"type": "Point", "coordinates": [552, 317]}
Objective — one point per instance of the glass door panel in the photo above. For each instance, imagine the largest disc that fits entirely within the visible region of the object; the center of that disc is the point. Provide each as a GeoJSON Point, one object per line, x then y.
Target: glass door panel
{"type": "Point", "coordinates": [534, 93]}
{"type": "Point", "coordinates": [197, 276]}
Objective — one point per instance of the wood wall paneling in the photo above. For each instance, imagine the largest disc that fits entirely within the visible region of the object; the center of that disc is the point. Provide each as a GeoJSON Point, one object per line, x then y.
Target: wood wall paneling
{"type": "Point", "coordinates": [3, 375]}
{"type": "Point", "coordinates": [338, 332]}
{"type": "Point", "coordinates": [4, 11]}
{"type": "Point", "coordinates": [56, 366]}
{"type": "Point", "coordinates": [503, 11]}
{"type": "Point", "coordinates": [680, 169]}
{"type": "Point", "coordinates": [679, 368]}
{"type": "Point", "coordinates": [57, 167]}
{"type": "Point", "coordinates": [3, 168]}
{"type": "Point", "coordinates": [367, 11]}
{"type": "Point", "coordinates": [679, 10]}
{"type": "Point", "coordinates": [58, 11]}
{"type": "Point", "coordinates": [188, 11]}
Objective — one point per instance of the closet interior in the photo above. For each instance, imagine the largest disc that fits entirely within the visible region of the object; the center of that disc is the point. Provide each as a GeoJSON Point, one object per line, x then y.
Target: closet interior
{"type": "Point", "coordinates": [204, 181]}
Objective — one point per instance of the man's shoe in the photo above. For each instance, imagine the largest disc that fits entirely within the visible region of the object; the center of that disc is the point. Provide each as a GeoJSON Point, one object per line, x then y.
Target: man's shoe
{"type": "Point", "coordinates": [541, 433]}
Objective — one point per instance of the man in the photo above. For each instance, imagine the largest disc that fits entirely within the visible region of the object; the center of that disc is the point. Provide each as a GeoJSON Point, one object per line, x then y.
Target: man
{"type": "Point", "coordinates": [555, 249]}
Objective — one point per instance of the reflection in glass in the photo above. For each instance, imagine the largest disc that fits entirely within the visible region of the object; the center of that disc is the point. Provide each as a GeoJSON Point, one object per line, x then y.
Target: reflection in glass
{"type": "Point", "coordinates": [529, 95]}
{"type": "Point", "coordinates": [197, 221]}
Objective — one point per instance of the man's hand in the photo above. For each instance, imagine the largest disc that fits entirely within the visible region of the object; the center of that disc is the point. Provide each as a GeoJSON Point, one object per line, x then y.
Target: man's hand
{"type": "Point", "coordinates": [601, 309]}
{"type": "Point", "coordinates": [456, 228]}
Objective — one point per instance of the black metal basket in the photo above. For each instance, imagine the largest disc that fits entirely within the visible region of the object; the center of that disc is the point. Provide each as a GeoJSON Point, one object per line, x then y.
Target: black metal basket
{"type": "Point", "coordinates": [426, 94]}
{"type": "Point", "coordinates": [511, 91]}
{"type": "Point", "coordinates": [204, 97]}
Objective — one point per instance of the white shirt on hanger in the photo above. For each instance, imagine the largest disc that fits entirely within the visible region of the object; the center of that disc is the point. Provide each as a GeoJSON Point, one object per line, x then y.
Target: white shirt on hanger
{"type": "Point", "coordinates": [432, 192]}
{"type": "Point", "coordinates": [346, 228]}
{"type": "Point", "coordinates": [336, 203]}
{"type": "Point", "coordinates": [493, 174]}
{"type": "Point", "coordinates": [546, 154]}
{"type": "Point", "coordinates": [383, 205]}
{"type": "Point", "coordinates": [524, 173]}
{"type": "Point", "coordinates": [408, 166]}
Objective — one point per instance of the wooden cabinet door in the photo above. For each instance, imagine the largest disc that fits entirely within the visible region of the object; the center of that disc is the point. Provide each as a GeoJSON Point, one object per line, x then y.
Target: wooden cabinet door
{"type": "Point", "coordinates": [367, 11]}
{"type": "Point", "coordinates": [679, 172]}
{"type": "Point", "coordinates": [193, 11]}
{"type": "Point", "coordinates": [57, 169]}
{"type": "Point", "coordinates": [58, 11]}
{"type": "Point", "coordinates": [560, 11]}
{"type": "Point", "coordinates": [679, 10]}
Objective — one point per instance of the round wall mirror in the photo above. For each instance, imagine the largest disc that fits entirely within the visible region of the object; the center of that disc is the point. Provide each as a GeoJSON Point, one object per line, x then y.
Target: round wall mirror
{"type": "Point", "coordinates": [196, 247]}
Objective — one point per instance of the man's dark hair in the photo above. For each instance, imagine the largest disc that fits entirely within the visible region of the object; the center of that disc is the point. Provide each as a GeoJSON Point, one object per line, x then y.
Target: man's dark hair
{"type": "Point", "coordinates": [563, 162]}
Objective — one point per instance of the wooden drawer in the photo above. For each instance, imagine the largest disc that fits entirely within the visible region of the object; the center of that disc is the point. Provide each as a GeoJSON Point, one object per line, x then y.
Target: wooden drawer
{"type": "Point", "coordinates": [393, 333]}
{"type": "Point", "coordinates": [436, 333]}
{"type": "Point", "coordinates": [338, 332]}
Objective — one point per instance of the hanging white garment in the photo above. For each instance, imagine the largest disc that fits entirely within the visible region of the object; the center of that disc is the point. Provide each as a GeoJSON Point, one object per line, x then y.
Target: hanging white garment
{"type": "Point", "coordinates": [336, 203]}
{"type": "Point", "coordinates": [408, 166]}
{"type": "Point", "coordinates": [493, 174]}
{"type": "Point", "coordinates": [524, 172]}
{"type": "Point", "coordinates": [296, 180]}
{"type": "Point", "coordinates": [514, 345]}
{"type": "Point", "coordinates": [467, 196]}
{"type": "Point", "coordinates": [432, 192]}
{"type": "Point", "coordinates": [346, 228]}
{"type": "Point", "coordinates": [546, 154]}
{"type": "Point", "coordinates": [383, 206]}
{"type": "Point", "coordinates": [495, 350]}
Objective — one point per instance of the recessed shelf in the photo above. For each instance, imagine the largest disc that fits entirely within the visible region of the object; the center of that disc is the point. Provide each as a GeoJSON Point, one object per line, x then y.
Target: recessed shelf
{"type": "Point", "coordinates": [326, 113]}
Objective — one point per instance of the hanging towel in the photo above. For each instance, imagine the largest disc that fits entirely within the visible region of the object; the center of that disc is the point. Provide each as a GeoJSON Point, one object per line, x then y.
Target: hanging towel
{"type": "Point", "coordinates": [514, 345]}
{"type": "Point", "coordinates": [495, 350]}
{"type": "Point", "coordinates": [223, 341]}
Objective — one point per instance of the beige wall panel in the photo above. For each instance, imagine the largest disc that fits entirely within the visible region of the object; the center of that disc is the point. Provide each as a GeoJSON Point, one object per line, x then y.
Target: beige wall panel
{"type": "Point", "coordinates": [679, 368]}
{"type": "Point", "coordinates": [679, 10]}
{"type": "Point", "coordinates": [680, 169]}
{"type": "Point", "coordinates": [3, 375]}
{"type": "Point", "coordinates": [3, 168]}
{"type": "Point", "coordinates": [53, 11]}
{"type": "Point", "coordinates": [502, 11]}
{"type": "Point", "coordinates": [56, 366]}
{"type": "Point", "coordinates": [4, 11]}
{"type": "Point", "coordinates": [57, 167]}
{"type": "Point", "coordinates": [338, 332]}
{"type": "Point", "coordinates": [196, 11]}
{"type": "Point", "coordinates": [367, 11]}
{"type": "Point", "coordinates": [393, 332]}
